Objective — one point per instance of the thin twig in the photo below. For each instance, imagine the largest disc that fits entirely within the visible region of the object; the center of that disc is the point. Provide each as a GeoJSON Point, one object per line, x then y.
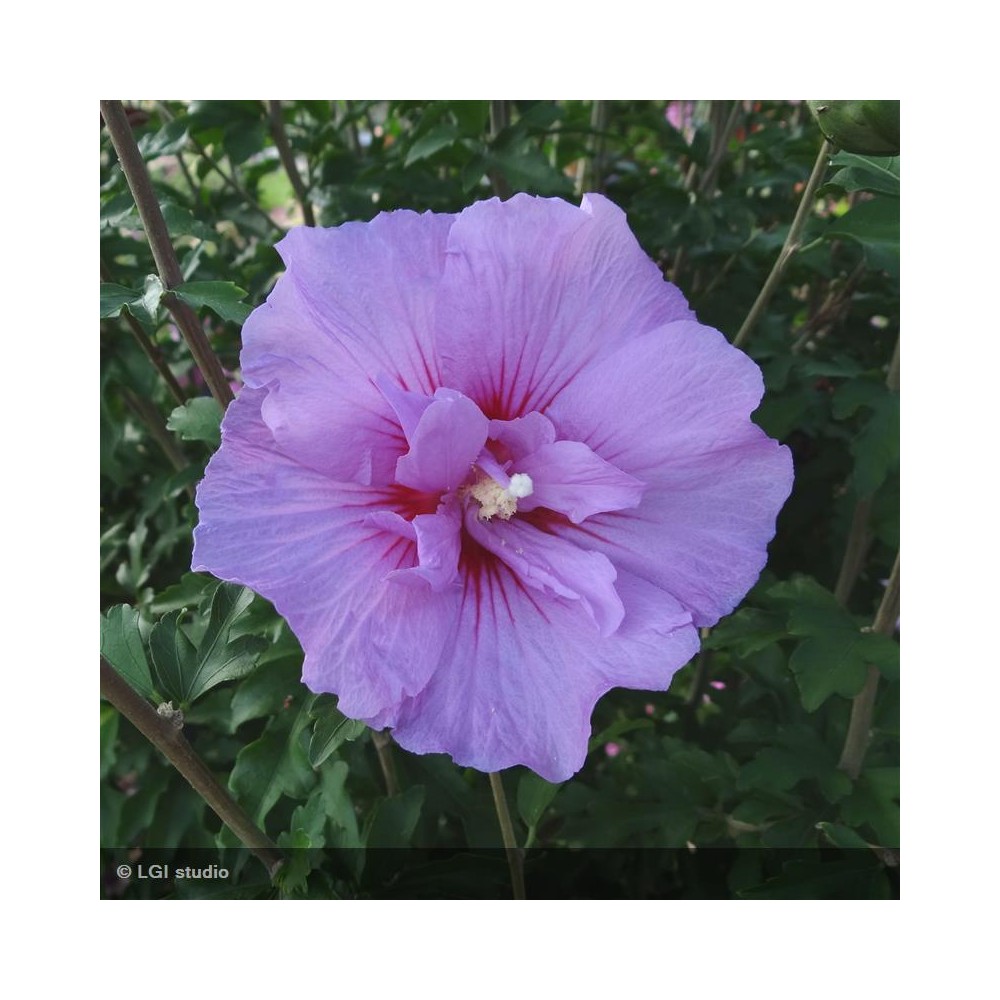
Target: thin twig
{"type": "Point", "coordinates": [288, 160]}
{"type": "Point", "coordinates": [134, 168]}
{"type": "Point", "coordinates": [863, 707]}
{"type": "Point", "coordinates": [515, 861]}
{"type": "Point", "coordinates": [383, 747]}
{"type": "Point", "coordinates": [793, 242]}
{"type": "Point", "coordinates": [589, 172]}
{"type": "Point", "coordinates": [162, 732]}
{"type": "Point", "coordinates": [830, 312]}
{"type": "Point", "coordinates": [499, 120]}
{"type": "Point", "coordinates": [892, 379]}
{"type": "Point", "coordinates": [858, 541]}
{"type": "Point", "coordinates": [154, 423]}
{"type": "Point", "coordinates": [720, 143]}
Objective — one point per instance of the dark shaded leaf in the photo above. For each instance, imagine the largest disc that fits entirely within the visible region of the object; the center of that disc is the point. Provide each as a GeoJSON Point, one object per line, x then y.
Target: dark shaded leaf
{"type": "Point", "coordinates": [123, 648]}
{"type": "Point", "coordinates": [332, 728]}
{"type": "Point", "coordinates": [187, 671]}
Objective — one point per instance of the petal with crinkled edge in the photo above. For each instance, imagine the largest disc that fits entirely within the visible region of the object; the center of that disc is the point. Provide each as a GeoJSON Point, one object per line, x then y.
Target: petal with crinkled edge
{"type": "Point", "coordinates": [677, 391]}
{"type": "Point", "coordinates": [702, 533]}
{"type": "Point", "coordinates": [533, 290]}
{"type": "Point", "coordinates": [355, 302]}
{"type": "Point", "coordinates": [311, 547]}
{"type": "Point", "coordinates": [715, 481]}
{"type": "Point", "coordinates": [496, 701]}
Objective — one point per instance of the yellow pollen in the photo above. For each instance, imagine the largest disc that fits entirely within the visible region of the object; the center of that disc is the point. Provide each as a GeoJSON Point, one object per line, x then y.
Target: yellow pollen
{"type": "Point", "coordinates": [494, 500]}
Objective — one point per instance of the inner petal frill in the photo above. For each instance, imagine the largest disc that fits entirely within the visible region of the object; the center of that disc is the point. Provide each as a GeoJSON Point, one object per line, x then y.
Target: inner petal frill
{"type": "Point", "coordinates": [498, 483]}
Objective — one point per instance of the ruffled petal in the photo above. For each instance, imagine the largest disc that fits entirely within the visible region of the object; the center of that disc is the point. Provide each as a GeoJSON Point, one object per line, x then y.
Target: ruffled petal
{"type": "Point", "coordinates": [444, 446]}
{"type": "Point", "coordinates": [533, 290]}
{"type": "Point", "coordinates": [569, 478]}
{"type": "Point", "coordinates": [678, 391]}
{"type": "Point", "coordinates": [701, 532]}
{"type": "Point", "coordinates": [308, 544]}
{"type": "Point", "coordinates": [521, 681]}
{"type": "Point", "coordinates": [356, 301]}
{"type": "Point", "coordinates": [553, 566]}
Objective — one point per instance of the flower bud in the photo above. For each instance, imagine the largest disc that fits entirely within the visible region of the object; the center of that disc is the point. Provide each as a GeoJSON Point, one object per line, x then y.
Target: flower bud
{"type": "Point", "coordinates": [870, 127]}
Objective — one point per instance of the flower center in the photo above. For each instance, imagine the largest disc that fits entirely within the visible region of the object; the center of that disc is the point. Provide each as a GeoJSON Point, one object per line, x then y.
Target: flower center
{"type": "Point", "coordinates": [494, 500]}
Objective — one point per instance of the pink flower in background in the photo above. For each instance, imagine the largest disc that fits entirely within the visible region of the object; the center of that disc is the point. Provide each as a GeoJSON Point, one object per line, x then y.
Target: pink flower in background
{"type": "Point", "coordinates": [489, 466]}
{"type": "Point", "coordinates": [681, 115]}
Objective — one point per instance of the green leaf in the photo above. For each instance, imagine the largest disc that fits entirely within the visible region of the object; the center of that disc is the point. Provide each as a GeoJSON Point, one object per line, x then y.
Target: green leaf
{"type": "Point", "coordinates": [180, 222]}
{"type": "Point", "coordinates": [123, 648]}
{"type": "Point", "coordinates": [427, 145]}
{"type": "Point", "coordinates": [747, 631]}
{"type": "Point", "coordinates": [823, 668]}
{"type": "Point", "coordinates": [851, 396]}
{"type": "Point", "coordinates": [832, 657]}
{"type": "Point", "coordinates": [856, 877]}
{"type": "Point", "coordinates": [109, 733]}
{"type": "Point", "coordinates": [342, 820]}
{"type": "Point", "coordinates": [274, 765]}
{"type": "Point", "coordinates": [878, 174]}
{"type": "Point", "coordinates": [534, 795]}
{"type": "Point", "coordinates": [471, 116]}
{"type": "Point", "coordinates": [273, 687]}
{"type": "Point", "coordinates": [197, 420]}
{"type": "Point", "coordinates": [527, 169]}
{"type": "Point", "coordinates": [331, 730]}
{"type": "Point", "coordinates": [113, 297]}
{"type": "Point", "coordinates": [875, 803]}
{"type": "Point", "coordinates": [393, 821]}
{"type": "Point", "coordinates": [222, 297]}
{"type": "Point", "coordinates": [192, 591]}
{"type": "Point", "coordinates": [172, 138]}
{"type": "Point", "coordinates": [882, 652]}
{"type": "Point", "coordinates": [187, 671]}
{"type": "Point", "coordinates": [875, 226]}
{"type": "Point", "coordinates": [876, 448]}
{"type": "Point", "coordinates": [841, 836]}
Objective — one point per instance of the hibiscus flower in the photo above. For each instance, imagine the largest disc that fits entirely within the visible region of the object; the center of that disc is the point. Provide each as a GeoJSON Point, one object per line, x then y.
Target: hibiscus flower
{"type": "Point", "coordinates": [489, 466]}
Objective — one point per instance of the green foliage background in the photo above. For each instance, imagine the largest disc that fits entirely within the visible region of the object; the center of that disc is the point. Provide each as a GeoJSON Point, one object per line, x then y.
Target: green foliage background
{"type": "Point", "coordinates": [727, 785]}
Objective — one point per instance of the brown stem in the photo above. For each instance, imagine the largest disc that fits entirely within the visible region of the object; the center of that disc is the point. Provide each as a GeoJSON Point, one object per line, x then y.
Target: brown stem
{"type": "Point", "coordinates": [720, 142]}
{"type": "Point", "coordinates": [589, 174]}
{"type": "Point", "coordinates": [170, 741]}
{"type": "Point", "coordinates": [151, 417]}
{"type": "Point", "coordinates": [383, 747]}
{"type": "Point", "coordinates": [288, 160]}
{"type": "Point", "coordinates": [499, 120]}
{"type": "Point", "coordinates": [858, 540]}
{"type": "Point", "coordinates": [134, 168]}
{"type": "Point", "coordinates": [790, 248]}
{"type": "Point", "coordinates": [863, 707]}
{"type": "Point", "coordinates": [515, 861]}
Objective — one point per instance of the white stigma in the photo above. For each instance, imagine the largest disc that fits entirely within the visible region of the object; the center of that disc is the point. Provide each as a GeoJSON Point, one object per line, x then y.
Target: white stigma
{"type": "Point", "coordinates": [495, 501]}
{"type": "Point", "coordinates": [520, 486]}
